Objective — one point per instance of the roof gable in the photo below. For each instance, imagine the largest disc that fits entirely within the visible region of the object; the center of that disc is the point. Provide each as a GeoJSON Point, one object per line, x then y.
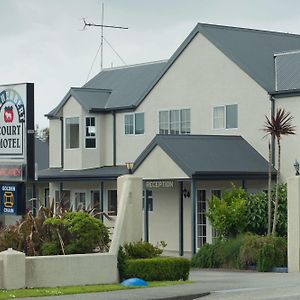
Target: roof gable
{"type": "Point", "coordinates": [209, 155]}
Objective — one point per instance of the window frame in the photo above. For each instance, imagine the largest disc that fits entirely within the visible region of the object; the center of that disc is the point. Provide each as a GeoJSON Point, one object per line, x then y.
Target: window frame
{"type": "Point", "coordinates": [66, 132]}
{"type": "Point", "coordinates": [225, 117]}
{"type": "Point", "coordinates": [94, 137]}
{"type": "Point", "coordinates": [180, 122]}
{"type": "Point", "coordinates": [134, 130]}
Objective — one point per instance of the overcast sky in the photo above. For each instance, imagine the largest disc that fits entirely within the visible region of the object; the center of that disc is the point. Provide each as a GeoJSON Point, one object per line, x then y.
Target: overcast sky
{"type": "Point", "coordinates": [42, 40]}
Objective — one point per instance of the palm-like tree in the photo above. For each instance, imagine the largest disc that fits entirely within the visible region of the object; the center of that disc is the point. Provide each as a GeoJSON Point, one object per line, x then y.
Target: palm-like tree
{"type": "Point", "coordinates": [278, 126]}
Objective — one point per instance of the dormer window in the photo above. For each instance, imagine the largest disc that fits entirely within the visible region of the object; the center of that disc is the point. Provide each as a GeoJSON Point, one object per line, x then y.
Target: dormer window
{"type": "Point", "coordinates": [72, 133]}
{"type": "Point", "coordinates": [90, 132]}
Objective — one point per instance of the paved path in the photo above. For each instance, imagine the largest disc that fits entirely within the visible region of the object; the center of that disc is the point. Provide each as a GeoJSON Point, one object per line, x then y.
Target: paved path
{"type": "Point", "coordinates": [221, 285]}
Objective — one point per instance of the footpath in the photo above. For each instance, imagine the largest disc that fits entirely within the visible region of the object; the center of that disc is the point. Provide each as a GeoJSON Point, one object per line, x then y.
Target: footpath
{"type": "Point", "coordinates": [209, 285]}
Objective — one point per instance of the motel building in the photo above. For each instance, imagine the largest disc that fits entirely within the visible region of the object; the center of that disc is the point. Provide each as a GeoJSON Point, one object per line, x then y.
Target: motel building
{"type": "Point", "coordinates": [190, 126]}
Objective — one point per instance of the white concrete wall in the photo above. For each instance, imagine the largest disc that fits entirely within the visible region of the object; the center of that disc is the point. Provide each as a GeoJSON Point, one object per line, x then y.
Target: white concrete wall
{"type": "Point", "coordinates": [77, 269]}
{"type": "Point", "coordinates": [128, 226]}
{"type": "Point", "coordinates": [159, 165]}
{"type": "Point", "coordinates": [290, 146]}
{"type": "Point", "coordinates": [293, 189]}
{"type": "Point", "coordinates": [54, 143]}
{"type": "Point", "coordinates": [201, 78]}
{"type": "Point", "coordinates": [73, 157]}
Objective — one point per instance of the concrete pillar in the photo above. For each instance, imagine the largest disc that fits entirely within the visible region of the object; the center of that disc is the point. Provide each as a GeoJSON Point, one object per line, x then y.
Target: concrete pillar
{"type": "Point", "coordinates": [293, 195]}
{"type": "Point", "coordinates": [129, 222]}
{"type": "Point", "coordinates": [13, 269]}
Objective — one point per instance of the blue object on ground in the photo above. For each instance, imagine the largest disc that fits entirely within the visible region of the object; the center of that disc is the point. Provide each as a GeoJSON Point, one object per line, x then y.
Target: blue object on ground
{"type": "Point", "coordinates": [134, 282]}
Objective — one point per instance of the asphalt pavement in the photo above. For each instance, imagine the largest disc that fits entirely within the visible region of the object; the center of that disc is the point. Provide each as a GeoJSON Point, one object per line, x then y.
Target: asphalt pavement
{"type": "Point", "coordinates": [210, 285]}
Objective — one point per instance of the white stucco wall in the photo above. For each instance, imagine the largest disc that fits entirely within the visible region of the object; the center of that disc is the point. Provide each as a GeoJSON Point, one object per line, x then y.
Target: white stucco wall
{"type": "Point", "coordinates": [290, 146]}
{"type": "Point", "coordinates": [202, 77]}
{"type": "Point", "coordinates": [158, 165]}
{"type": "Point", "coordinates": [73, 157]}
{"type": "Point", "coordinates": [54, 143]}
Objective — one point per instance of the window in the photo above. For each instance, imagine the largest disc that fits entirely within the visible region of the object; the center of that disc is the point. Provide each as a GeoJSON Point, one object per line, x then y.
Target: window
{"type": "Point", "coordinates": [90, 132]}
{"type": "Point", "coordinates": [79, 200]}
{"type": "Point", "coordinates": [177, 121]}
{"type": "Point", "coordinates": [112, 206]}
{"type": "Point", "coordinates": [134, 123]}
{"type": "Point", "coordinates": [72, 133]}
{"type": "Point", "coordinates": [225, 117]}
{"type": "Point", "coordinates": [149, 199]}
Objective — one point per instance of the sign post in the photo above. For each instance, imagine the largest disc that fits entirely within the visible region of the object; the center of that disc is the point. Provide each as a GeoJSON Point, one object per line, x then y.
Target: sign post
{"type": "Point", "coordinates": [16, 145]}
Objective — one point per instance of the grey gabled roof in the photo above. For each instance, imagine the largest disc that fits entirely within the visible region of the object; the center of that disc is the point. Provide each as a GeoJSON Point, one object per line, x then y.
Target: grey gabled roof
{"type": "Point", "coordinates": [88, 98]}
{"type": "Point", "coordinates": [116, 88]}
{"type": "Point", "coordinates": [104, 173]}
{"type": "Point", "coordinates": [210, 156]}
{"type": "Point", "coordinates": [252, 50]}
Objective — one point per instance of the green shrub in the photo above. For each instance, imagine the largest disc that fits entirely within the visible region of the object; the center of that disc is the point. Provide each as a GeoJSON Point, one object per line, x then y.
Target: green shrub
{"type": "Point", "coordinates": [266, 258]}
{"type": "Point", "coordinates": [258, 250]}
{"type": "Point", "coordinates": [228, 214]}
{"type": "Point", "coordinates": [158, 269]}
{"type": "Point", "coordinates": [78, 232]}
{"type": "Point", "coordinates": [208, 256]}
{"type": "Point", "coordinates": [50, 248]}
{"type": "Point", "coordinates": [222, 253]}
{"type": "Point", "coordinates": [257, 212]}
{"type": "Point", "coordinates": [141, 249]}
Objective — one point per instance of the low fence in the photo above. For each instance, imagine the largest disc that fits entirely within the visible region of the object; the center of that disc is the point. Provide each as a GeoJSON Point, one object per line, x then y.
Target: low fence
{"type": "Point", "coordinates": [18, 271]}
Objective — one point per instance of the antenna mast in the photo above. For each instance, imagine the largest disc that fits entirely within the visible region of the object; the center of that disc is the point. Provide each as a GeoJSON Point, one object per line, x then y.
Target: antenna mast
{"type": "Point", "coordinates": [85, 24]}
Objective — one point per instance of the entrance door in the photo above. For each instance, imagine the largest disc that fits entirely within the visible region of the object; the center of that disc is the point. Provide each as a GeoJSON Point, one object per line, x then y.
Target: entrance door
{"type": "Point", "coordinates": [201, 218]}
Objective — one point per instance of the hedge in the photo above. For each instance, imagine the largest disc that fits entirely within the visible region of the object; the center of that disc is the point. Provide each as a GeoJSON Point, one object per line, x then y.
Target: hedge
{"type": "Point", "coordinates": [157, 269]}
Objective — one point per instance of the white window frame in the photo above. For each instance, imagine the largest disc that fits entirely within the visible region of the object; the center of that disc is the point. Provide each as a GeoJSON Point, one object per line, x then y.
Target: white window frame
{"type": "Point", "coordinates": [134, 121]}
{"type": "Point", "coordinates": [224, 127]}
{"type": "Point", "coordinates": [90, 137]}
{"type": "Point", "coordinates": [180, 120]}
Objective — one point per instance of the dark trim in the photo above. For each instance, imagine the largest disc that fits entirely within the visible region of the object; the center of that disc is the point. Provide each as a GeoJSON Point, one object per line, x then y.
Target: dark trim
{"type": "Point", "coordinates": [285, 93]}
{"type": "Point", "coordinates": [146, 217]}
{"type": "Point", "coordinates": [101, 199]}
{"type": "Point", "coordinates": [30, 134]}
{"type": "Point", "coordinates": [80, 178]}
{"type": "Point", "coordinates": [273, 137]}
{"type": "Point", "coordinates": [114, 139]}
{"type": "Point", "coordinates": [231, 176]}
{"type": "Point", "coordinates": [62, 135]}
{"type": "Point", "coordinates": [181, 219]}
{"type": "Point", "coordinates": [193, 216]}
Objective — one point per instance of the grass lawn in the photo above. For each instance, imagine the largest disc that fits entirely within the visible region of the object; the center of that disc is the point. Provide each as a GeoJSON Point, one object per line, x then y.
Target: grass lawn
{"type": "Point", "coordinates": [38, 292]}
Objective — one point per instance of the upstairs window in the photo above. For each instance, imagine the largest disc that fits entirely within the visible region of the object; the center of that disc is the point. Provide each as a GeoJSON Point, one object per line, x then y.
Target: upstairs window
{"type": "Point", "coordinates": [134, 123]}
{"type": "Point", "coordinates": [90, 132]}
{"type": "Point", "coordinates": [177, 121]}
{"type": "Point", "coordinates": [225, 117]}
{"type": "Point", "coordinates": [72, 133]}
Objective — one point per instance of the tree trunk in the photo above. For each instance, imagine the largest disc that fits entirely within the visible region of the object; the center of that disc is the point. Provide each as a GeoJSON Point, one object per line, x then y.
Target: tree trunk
{"type": "Point", "coordinates": [275, 218]}
{"type": "Point", "coordinates": [269, 189]}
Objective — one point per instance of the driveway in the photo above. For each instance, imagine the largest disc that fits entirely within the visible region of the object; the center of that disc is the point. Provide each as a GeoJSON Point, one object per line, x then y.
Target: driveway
{"type": "Point", "coordinates": [220, 284]}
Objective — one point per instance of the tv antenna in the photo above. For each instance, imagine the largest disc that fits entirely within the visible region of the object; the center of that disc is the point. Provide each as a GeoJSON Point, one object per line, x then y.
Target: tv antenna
{"type": "Point", "coordinates": [102, 26]}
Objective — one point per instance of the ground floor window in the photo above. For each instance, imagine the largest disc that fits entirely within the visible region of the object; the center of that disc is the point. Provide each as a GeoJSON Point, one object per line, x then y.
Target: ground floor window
{"type": "Point", "coordinates": [201, 218]}
{"type": "Point", "coordinates": [112, 203]}
{"type": "Point", "coordinates": [149, 199]}
{"type": "Point", "coordinates": [80, 200]}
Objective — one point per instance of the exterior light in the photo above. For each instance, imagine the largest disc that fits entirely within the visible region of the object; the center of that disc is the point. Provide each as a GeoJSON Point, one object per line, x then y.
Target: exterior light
{"type": "Point", "coordinates": [296, 166]}
{"type": "Point", "coordinates": [129, 166]}
{"type": "Point", "coordinates": [186, 193]}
